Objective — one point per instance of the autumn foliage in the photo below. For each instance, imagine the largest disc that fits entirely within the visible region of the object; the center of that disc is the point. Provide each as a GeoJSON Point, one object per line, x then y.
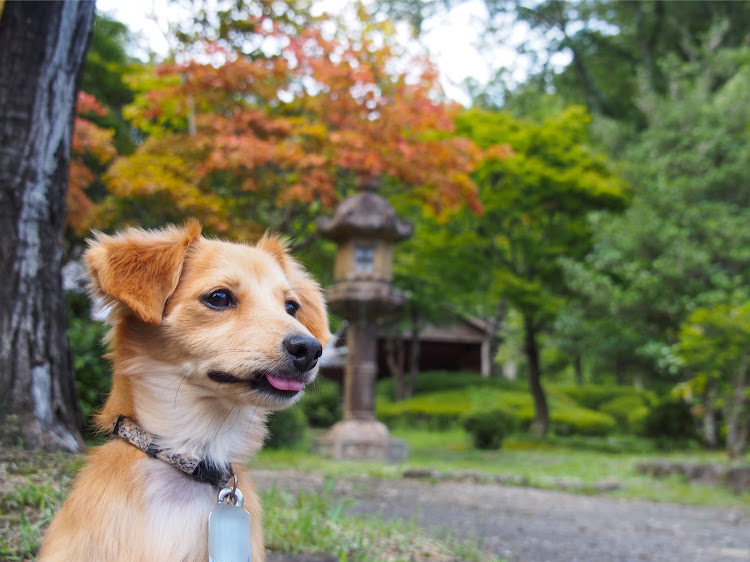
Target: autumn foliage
{"type": "Point", "coordinates": [246, 142]}
{"type": "Point", "coordinates": [92, 149]}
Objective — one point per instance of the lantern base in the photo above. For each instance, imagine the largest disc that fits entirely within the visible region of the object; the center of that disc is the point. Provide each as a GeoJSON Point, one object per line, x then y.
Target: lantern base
{"type": "Point", "coordinates": [355, 439]}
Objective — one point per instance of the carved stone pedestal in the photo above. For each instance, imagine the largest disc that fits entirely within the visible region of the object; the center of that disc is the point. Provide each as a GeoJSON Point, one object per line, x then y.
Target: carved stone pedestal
{"type": "Point", "coordinates": [361, 440]}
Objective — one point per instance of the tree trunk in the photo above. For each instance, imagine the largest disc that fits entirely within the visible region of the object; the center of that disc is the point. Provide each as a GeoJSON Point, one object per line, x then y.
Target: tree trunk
{"type": "Point", "coordinates": [541, 420]}
{"type": "Point", "coordinates": [501, 310]}
{"type": "Point", "coordinates": [394, 354]}
{"type": "Point", "coordinates": [415, 350]}
{"type": "Point", "coordinates": [619, 372]}
{"type": "Point", "coordinates": [42, 48]}
{"type": "Point", "coordinates": [710, 435]}
{"type": "Point", "coordinates": [578, 368]}
{"type": "Point", "coordinates": [734, 412]}
{"type": "Point", "coordinates": [647, 41]}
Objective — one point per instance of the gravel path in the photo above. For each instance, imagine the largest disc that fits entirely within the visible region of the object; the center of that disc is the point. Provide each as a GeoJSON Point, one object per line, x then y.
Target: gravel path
{"type": "Point", "coordinates": [531, 525]}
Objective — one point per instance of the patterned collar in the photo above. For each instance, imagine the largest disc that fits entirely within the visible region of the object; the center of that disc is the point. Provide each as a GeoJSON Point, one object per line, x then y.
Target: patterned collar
{"type": "Point", "coordinates": [200, 469]}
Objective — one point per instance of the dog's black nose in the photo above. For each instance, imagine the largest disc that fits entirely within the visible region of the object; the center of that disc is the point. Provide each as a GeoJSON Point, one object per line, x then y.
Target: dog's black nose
{"type": "Point", "coordinates": [304, 351]}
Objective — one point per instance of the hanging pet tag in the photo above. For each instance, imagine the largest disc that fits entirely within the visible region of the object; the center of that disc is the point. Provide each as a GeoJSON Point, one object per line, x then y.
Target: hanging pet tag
{"type": "Point", "coordinates": [229, 529]}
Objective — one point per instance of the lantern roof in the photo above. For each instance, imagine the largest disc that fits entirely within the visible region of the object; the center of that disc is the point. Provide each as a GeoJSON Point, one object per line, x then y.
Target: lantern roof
{"type": "Point", "coordinates": [367, 215]}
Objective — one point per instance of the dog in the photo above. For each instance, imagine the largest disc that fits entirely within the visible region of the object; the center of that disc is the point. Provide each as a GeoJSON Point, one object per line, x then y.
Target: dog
{"type": "Point", "coordinates": [207, 338]}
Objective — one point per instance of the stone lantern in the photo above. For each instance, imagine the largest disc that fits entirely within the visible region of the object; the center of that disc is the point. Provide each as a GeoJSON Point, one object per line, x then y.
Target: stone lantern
{"type": "Point", "coordinates": [365, 227]}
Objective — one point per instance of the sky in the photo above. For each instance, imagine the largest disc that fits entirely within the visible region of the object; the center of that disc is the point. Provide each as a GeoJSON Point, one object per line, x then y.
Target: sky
{"type": "Point", "coordinates": [452, 38]}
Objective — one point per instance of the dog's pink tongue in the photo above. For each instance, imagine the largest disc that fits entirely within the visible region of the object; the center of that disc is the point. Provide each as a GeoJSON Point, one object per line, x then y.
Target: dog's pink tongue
{"type": "Point", "coordinates": [285, 384]}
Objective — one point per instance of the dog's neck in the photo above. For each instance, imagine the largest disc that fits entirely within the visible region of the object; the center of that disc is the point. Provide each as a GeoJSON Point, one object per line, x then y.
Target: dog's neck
{"type": "Point", "coordinates": [186, 419]}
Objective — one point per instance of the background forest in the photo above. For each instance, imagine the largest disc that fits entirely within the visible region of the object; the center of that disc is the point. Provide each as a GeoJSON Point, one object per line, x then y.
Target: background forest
{"type": "Point", "coordinates": [594, 216]}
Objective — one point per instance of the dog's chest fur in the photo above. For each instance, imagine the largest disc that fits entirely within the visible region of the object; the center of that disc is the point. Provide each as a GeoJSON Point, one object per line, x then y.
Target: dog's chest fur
{"type": "Point", "coordinates": [177, 510]}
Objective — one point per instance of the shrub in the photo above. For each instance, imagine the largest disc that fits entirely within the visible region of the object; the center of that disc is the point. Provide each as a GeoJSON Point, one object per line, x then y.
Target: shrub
{"type": "Point", "coordinates": [322, 403]}
{"type": "Point", "coordinates": [620, 408]}
{"type": "Point", "coordinates": [92, 371]}
{"type": "Point", "coordinates": [286, 428]}
{"type": "Point", "coordinates": [438, 410]}
{"type": "Point", "coordinates": [488, 427]}
{"type": "Point", "coordinates": [441, 381]}
{"type": "Point", "coordinates": [670, 420]}
{"type": "Point", "coordinates": [636, 420]}
{"type": "Point", "coordinates": [593, 396]}
{"type": "Point", "coordinates": [580, 421]}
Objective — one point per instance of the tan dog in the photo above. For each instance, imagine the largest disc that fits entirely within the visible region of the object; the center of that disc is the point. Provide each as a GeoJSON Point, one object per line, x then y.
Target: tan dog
{"type": "Point", "coordinates": [207, 337]}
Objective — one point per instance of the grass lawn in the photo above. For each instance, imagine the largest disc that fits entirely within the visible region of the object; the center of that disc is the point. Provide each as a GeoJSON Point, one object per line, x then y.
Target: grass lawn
{"type": "Point", "coordinates": [33, 486]}
{"type": "Point", "coordinates": [544, 464]}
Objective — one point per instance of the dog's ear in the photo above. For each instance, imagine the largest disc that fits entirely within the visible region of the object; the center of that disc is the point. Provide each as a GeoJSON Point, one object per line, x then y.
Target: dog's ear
{"type": "Point", "coordinates": [312, 312]}
{"type": "Point", "coordinates": [140, 268]}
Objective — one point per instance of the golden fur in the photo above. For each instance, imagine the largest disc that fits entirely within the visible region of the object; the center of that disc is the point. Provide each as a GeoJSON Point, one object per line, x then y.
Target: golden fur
{"type": "Point", "coordinates": [164, 341]}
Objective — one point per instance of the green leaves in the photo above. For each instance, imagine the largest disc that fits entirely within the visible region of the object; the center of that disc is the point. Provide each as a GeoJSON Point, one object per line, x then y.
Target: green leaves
{"type": "Point", "coordinates": [537, 200]}
{"type": "Point", "coordinates": [714, 341]}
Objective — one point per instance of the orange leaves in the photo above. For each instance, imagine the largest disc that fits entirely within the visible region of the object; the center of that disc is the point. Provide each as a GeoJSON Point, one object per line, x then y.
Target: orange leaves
{"type": "Point", "coordinates": [171, 177]}
{"type": "Point", "coordinates": [500, 152]}
{"type": "Point", "coordinates": [81, 208]}
{"type": "Point", "coordinates": [91, 139]}
{"type": "Point", "coordinates": [92, 148]}
{"type": "Point", "coordinates": [86, 103]}
{"type": "Point", "coordinates": [292, 125]}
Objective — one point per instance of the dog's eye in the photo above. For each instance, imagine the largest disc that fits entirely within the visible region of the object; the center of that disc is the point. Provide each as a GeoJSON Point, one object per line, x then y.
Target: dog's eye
{"type": "Point", "coordinates": [219, 300]}
{"type": "Point", "coordinates": [291, 308]}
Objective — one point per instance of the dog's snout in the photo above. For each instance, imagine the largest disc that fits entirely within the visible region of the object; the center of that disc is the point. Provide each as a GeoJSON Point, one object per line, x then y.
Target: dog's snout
{"type": "Point", "coordinates": [304, 351]}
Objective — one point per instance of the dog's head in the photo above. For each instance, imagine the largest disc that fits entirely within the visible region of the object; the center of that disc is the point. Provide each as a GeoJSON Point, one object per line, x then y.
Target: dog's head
{"type": "Point", "coordinates": [244, 324]}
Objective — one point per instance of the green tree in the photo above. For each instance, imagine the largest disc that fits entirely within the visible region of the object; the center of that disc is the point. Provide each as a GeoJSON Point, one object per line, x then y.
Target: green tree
{"type": "Point", "coordinates": [538, 195]}
{"type": "Point", "coordinates": [714, 346]}
{"type": "Point", "coordinates": [683, 243]}
{"type": "Point", "coordinates": [613, 48]}
{"type": "Point", "coordinates": [441, 285]}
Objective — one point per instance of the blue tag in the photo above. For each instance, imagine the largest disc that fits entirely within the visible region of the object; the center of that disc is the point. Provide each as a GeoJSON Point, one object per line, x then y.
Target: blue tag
{"type": "Point", "coordinates": [229, 530]}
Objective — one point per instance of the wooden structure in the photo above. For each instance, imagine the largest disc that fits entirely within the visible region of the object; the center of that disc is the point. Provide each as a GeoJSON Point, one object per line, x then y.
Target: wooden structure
{"type": "Point", "coordinates": [463, 345]}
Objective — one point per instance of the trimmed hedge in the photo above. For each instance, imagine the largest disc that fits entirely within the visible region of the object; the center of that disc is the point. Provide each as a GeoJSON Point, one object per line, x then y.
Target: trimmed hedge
{"type": "Point", "coordinates": [580, 421]}
{"type": "Point", "coordinates": [437, 410]}
{"type": "Point", "coordinates": [621, 408]}
{"type": "Point", "coordinates": [441, 381]}
{"type": "Point", "coordinates": [445, 400]}
{"type": "Point", "coordinates": [488, 427]}
{"type": "Point", "coordinates": [594, 396]}
{"type": "Point", "coordinates": [637, 419]}
{"type": "Point", "coordinates": [442, 410]}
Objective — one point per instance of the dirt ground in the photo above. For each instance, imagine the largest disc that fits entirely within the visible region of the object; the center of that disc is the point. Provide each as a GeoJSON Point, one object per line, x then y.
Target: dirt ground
{"type": "Point", "coordinates": [527, 524]}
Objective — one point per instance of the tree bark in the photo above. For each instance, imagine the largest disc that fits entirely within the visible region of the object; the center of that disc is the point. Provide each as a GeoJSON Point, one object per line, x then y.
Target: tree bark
{"type": "Point", "coordinates": [710, 435]}
{"type": "Point", "coordinates": [531, 348]}
{"type": "Point", "coordinates": [647, 41]}
{"type": "Point", "coordinates": [494, 326]}
{"type": "Point", "coordinates": [414, 355]}
{"type": "Point", "coordinates": [42, 48]}
{"type": "Point", "coordinates": [578, 368]}
{"type": "Point", "coordinates": [394, 352]}
{"type": "Point", "coordinates": [734, 411]}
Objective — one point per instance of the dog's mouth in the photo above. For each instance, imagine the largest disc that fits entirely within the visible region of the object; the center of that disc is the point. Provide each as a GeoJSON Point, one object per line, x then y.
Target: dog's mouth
{"type": "Point", "coordinates": [275, 384]}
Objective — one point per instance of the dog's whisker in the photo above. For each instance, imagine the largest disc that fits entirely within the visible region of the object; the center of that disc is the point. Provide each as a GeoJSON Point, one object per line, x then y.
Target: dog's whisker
{"type": "Point", "coordinates": [225, 419]}
{"type": "Point", "coordinates": [250, 421]}
{"type": "Point", "coordinates": [236, 418]}
{"type": "Point", "coordinates": [174, 406]}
